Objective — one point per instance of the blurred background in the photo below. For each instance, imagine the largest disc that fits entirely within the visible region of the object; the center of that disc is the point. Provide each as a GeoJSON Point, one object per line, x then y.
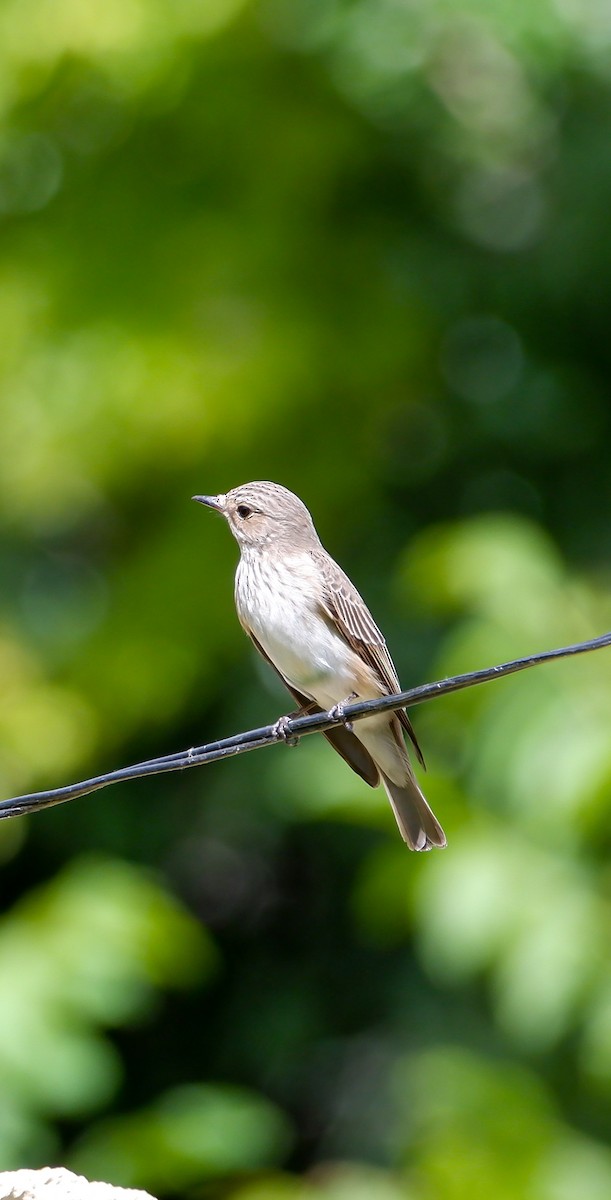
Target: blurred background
{"type": "Point", "coordinates": [362, 248]}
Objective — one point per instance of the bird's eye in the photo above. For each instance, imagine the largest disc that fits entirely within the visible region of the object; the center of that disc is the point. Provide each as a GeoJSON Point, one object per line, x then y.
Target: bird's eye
{"type": "Point", "coordinates": [244, 511]}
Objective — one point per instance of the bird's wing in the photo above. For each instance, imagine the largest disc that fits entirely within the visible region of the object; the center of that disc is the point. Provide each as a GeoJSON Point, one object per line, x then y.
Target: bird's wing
{"type": "Point", "coordinates": [352, 751]}
{"type": "Point", "coordinates": [348, 611]}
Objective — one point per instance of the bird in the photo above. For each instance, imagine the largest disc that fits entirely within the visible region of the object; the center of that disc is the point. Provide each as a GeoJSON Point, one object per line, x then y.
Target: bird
{"type": "Point", "coordinates": [307, 619]}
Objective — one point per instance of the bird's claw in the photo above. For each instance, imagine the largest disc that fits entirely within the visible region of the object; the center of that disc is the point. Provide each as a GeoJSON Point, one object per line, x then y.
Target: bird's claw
{"type": "Point", "coordinates": [280, 730]}
{"type": "Point", "coordinates": [338, 713]}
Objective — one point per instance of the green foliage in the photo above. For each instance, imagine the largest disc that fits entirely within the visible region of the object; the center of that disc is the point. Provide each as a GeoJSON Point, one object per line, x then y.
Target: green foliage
{"type": "Point", "coordinates": [491, 1126]}
{"type": "Point", "coordinates": [191, 1132]}
{"type": "Point", "coordinates": [362, 249]}
{"type": "Point", "coordinates": [81, 954]}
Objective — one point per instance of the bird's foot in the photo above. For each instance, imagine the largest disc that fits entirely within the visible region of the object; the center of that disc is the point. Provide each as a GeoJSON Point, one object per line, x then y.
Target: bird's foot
{"type": "Point", "coordinates": [338, 714]}
{"type": "Point", "coordinates": [280, 730]}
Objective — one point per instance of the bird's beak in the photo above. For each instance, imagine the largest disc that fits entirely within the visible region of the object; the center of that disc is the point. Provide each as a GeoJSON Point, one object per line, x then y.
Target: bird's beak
{"type": "Point", "coordinates": [217, 502]}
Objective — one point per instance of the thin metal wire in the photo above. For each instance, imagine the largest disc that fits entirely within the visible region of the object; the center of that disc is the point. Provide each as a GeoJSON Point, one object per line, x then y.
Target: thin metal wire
{"type": "Point", "coordinates": [292, 728]}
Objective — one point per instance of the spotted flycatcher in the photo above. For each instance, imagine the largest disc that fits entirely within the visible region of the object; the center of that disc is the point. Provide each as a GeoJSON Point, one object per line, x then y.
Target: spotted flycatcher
{"type": "Point", "coordinates": [310, 623]}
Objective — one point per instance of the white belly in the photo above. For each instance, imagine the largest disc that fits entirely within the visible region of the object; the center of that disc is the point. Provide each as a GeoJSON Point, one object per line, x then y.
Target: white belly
{"type": "Point", "coordinates": [282, 613]}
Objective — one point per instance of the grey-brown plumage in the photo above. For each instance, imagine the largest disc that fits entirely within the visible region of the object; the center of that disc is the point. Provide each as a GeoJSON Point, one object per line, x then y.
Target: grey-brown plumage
{"type": "Point", "coordinates": [308, 620]}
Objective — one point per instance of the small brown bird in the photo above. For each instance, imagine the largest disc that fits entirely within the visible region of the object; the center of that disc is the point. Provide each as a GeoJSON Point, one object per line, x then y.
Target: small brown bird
{"type": "Point", "coordinates": [310, 623]}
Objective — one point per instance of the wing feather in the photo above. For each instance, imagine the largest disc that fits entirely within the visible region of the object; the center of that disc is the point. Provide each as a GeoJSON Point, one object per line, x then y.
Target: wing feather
{"type": "Point", "coordinates": [346, 607]}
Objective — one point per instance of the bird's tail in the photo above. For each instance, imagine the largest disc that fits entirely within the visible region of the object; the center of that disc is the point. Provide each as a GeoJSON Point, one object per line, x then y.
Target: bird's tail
{"type": "Point", "coordinates": [417, 822]}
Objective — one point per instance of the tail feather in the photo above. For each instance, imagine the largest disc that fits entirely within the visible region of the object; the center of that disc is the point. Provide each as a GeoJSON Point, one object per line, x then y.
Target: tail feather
{"type": "Point", "coordinates": [417, 822]}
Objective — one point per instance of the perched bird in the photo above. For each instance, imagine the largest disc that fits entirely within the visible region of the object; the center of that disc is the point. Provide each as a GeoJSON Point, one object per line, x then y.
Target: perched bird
{"type": "Point", "coordinates": [310, 623]}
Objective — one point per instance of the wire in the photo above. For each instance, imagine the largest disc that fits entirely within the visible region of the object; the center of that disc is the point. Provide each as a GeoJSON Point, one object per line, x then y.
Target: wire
{"type": "Point", "coordinates": [288, 729]}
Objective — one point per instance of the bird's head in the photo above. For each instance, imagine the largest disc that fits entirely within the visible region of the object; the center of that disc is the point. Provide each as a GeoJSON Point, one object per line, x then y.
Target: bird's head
{"type": "Point", "coordinates": [261, 513]}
